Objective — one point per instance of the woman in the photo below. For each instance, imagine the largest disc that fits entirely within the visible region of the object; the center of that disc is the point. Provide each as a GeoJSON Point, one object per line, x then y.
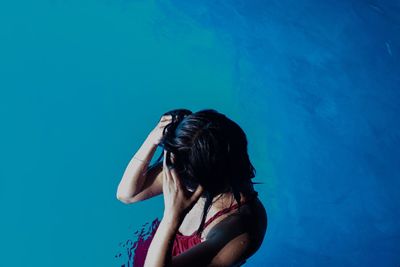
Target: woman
{"type": "Point", "coordinates": [205, 168]}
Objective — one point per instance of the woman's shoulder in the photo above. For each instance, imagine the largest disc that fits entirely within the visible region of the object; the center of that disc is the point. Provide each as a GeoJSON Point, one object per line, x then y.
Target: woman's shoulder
{"type": "Point", "coordinates": [250, 220]}
{"type": "Point", "coordinates": [241, 233]}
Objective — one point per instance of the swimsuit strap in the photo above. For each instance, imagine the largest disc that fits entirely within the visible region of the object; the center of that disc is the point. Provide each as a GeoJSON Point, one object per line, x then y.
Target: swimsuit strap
{"type": "Point", "coordinates": [223, 211]}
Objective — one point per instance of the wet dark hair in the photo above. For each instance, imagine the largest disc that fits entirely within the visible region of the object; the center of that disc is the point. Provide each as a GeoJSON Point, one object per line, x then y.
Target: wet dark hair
{"type": "Point", "coordinates": [209, 149]}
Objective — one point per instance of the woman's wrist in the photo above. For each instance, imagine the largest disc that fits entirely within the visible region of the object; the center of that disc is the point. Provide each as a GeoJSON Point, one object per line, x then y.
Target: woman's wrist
{"type": "Point", "coordinates": [146, 151]}
{"type": "Point", "coordinates": [141, 160]}
{"type": "Point", "coordinates": [173, 221]}
{"type": "Point", "coordinates": [152, 138]}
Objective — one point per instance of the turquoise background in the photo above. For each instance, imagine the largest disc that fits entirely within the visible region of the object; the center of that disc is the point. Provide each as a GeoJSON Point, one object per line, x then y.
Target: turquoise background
{"type": "Point", "coordinates": [314, 84]}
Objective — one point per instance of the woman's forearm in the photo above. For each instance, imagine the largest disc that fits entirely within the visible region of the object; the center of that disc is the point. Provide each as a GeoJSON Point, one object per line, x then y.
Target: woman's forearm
{"type": "Point", "coordinates": [133, 177]}
{"type": "Point", "coordinates": [159, 253]}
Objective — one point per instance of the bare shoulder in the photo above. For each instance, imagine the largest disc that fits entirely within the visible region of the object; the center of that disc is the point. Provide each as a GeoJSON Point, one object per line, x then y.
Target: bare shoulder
{"type": "Point", "coordinates": [245, 228]}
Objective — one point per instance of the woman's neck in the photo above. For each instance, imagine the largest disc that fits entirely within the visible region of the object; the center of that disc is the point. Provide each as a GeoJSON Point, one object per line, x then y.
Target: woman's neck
{"type": "Point", "coordinates": [222, 200]}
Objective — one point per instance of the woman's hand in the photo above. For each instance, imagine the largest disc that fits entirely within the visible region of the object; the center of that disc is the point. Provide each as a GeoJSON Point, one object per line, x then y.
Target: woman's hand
{"type": "Point", "coordinates": [177, 199]}
{"type": "Point", "coordinates": [157, 133]}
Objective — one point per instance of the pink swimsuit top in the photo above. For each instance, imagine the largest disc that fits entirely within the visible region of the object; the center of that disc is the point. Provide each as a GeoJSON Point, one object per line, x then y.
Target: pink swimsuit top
{"type": "Point", "coordinates": [181, 242]}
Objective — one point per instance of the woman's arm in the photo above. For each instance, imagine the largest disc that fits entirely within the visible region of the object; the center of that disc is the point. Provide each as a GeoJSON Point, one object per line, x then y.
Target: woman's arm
{"type": "Point", "coordinates": [134, 177]}
{"type": "Point", "coordinates": [160, 251]}
{"type": "Point", "coordinates": [177, 204]}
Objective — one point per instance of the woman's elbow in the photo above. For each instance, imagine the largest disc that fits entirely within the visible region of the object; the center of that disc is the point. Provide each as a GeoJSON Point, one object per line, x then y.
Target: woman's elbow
{"type": "Point", "coordinates": [124, 199]}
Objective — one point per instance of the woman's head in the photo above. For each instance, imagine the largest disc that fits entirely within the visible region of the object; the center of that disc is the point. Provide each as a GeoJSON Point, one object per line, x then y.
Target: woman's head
{"type": "Point", "coordinates": [210, 149]}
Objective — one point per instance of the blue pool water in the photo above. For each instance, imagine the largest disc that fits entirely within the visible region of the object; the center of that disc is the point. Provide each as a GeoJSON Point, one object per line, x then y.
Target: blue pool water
{"type": "Point", "coordinates": [314, 84]}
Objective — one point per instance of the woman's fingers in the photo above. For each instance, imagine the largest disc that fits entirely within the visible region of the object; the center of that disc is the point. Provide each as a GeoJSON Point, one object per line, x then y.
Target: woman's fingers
{"type": "Point", "coordinates": [164, 162]}
{"type": "Point", "coordinates": [165, 181]}
{"type": "Point", "coordinates": [166, 118]}
{"type": "Point", "coordinates": [196, 195]}
{"type": "Point", "coordinates": [175, 177]}
{"type": "Point", "coordinates": [166, 121]}
{"type": "Point", "coordinates": [172, 178]}
{"type": "Point", "coordinates": [167, 171]}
